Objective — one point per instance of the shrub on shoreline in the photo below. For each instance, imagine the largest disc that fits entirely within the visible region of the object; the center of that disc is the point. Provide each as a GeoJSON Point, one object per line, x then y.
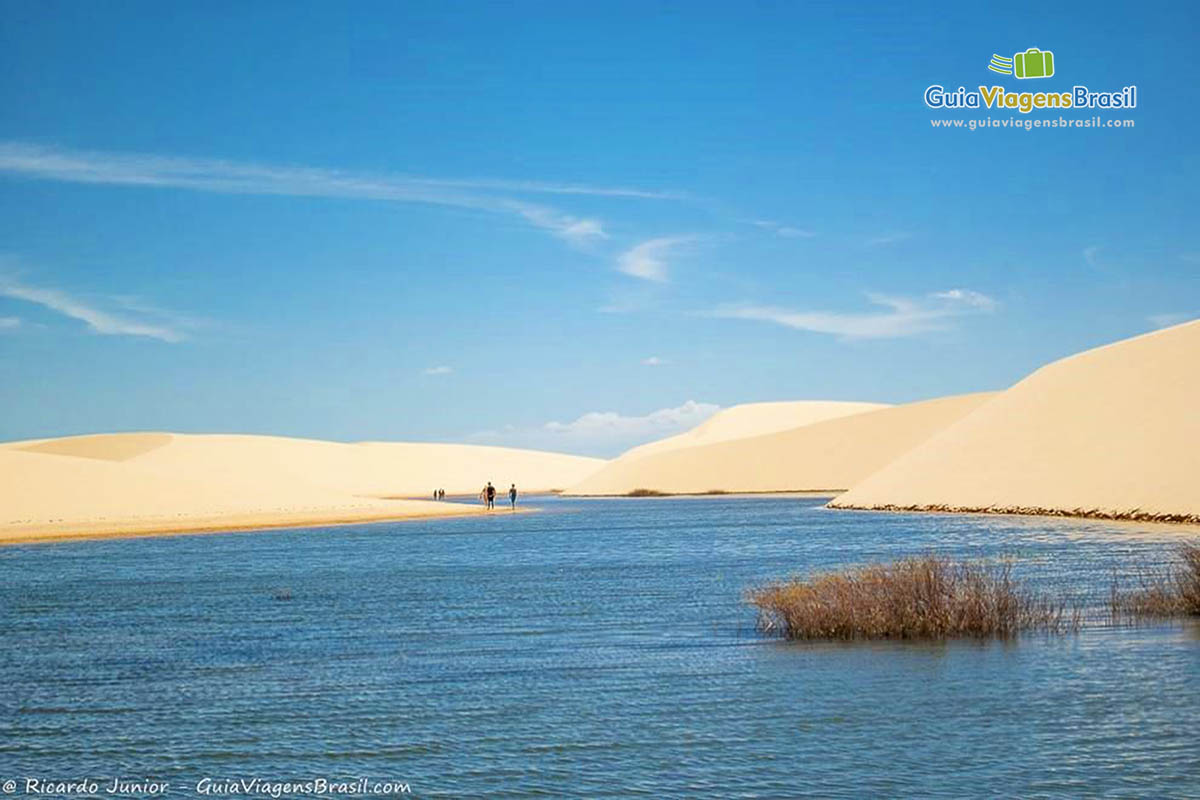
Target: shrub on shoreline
{"type": "Point", "coordinates": [930, 597]}
{"type": "Point", "coordinates": [1171, 592]}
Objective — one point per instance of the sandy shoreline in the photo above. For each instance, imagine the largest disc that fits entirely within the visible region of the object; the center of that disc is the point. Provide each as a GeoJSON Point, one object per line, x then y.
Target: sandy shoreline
{"type": "Point", "coordinates": [163, 528]}
{"type": "Point", "coordinates": [1019, 511]}
{"type": "Point", "coordinates": [126, 529]}
{"type": "Point", "coordinates": [714, 493]}
{"type": "Point", "coordinates": [1166, 520]}
{"type": "Point", "coordinates": [149, 484]}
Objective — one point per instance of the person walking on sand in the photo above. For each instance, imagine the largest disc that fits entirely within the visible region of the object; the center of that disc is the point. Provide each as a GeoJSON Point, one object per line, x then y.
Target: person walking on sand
{"type": "Point", "coordinates": [490, 492]}
{"type": "Point", "coordinates": [512, 496]}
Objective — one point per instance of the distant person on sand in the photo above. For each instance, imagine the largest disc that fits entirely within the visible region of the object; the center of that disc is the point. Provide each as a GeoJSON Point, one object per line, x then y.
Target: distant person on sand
{"type": "Point", "coordinates": [512, 496]}
{"type": "Point", "coordinates": [490, 492]}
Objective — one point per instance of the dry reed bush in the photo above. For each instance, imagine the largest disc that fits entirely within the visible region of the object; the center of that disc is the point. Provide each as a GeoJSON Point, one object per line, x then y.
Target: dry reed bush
{"type": "Point", "coordinates": [916, 598]}
{"type": "Point", "coordinates": [1173, 591]}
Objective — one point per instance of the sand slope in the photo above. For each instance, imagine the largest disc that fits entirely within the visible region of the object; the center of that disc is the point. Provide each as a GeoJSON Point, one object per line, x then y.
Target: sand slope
{"type": "Point", "coordinates": [828, 455]}
{"type": "Point", "coordinates": [151, 482]}
{"type": "Point", "coordinates": [753, 419]}
{"type": "Point", "coordinates": [368, 469]}
{"type": "Point", "coordinates": [1111, 432]}
{"type": "Point", "coordinates": [102, 446]}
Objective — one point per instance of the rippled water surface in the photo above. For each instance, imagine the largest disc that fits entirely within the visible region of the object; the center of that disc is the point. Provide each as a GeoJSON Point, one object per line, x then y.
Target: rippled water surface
{"type": "Point", "coordinates": [598, 648]}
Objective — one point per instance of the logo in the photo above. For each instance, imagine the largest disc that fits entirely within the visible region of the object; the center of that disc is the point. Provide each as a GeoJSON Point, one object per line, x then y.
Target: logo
{"type": "Point", "coordinates": [1001, 64]}
{"type": "Point", "coordinates": [1033, 63]}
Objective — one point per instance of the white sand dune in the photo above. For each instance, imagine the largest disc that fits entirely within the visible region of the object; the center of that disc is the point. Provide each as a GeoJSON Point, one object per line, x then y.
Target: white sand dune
{"type": "Point", "coordinates": [372, 469]}
{"type": "Point", "coordinates": [103, 446]}
{"type": "Point", "coordinates": [1111, 432]}
{"type": "Point", "coordinates": [113, 484]}
{"type": "Point", "coordinates": [754, 419]}
{"type": "Point", "coordinates": [829, 455]}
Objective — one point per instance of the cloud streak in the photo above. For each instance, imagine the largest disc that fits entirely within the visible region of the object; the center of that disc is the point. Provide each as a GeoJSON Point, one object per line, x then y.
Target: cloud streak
{"type": "Point", "coordinates": [98, 320]}
{"type": "Point", "coordinates": [648, 260]}
{"type": "Point", "coordinates": [901, 316]}
{"type": "Point", "coordinates": [664, 419]}
{"type": "Point", "coordinates": [1169, 320]}
{"type": "Point", "coordinates": [889, 238]}
{"type": "Point", "coordinates": [228, 177]}
{"type": "Point", "coordinates": [439, 370]}
{"type": "Point", "coordinates": [782, 230]}
{"type": "Point", "coordinates": [576, 230]}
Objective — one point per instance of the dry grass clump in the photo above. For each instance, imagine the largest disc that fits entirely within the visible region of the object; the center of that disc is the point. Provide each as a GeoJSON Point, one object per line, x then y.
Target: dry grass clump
{"type": "Point", "coordinates": [646, 493]}
{"type": "Point", "coordinates": [930, 597]}
{"type": "Point", "coordinates": [1174, 591]}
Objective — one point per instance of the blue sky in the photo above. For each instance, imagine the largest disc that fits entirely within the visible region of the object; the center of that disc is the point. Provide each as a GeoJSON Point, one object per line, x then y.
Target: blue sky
{"type": "Point", "coordinates": [565, 225]}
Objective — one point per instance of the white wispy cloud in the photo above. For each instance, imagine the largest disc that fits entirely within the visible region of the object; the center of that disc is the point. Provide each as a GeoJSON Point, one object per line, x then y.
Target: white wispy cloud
{"type": "Point", "coordinates": [439, 370]}
{"type": "Point", "coordinates": [602, 433]}
{"type": "Point", "coordinates": [1168, 320]}
{"type": "Point", "coordinates": [966, 297]}
{"type": "Point", "coordinates": [544, 187]}
{"type": "Point", "coordinates": [780, 229]}
{"type": "Point", "coordinates": [575, 230]}
{"type": "Point", "coordinates": [788, 232]}
{"type": "Point", "coordinates": [687, 415]}
{"type": "Point", "coordinates": [900, 317]}
{"type": "Point", "coordinates": [1089, 255]}
{"type": "Point", "coordinates": [8, 323]}
{"type": "Point", "coordinates": [99, 320]}
{"type": "Point", "coordinates": [228, 177]}
{"type": "Point", "coordinates": [652, 361]}
{"type": "Point", "coordinates": [648, 260]}
{"type": "Point", "coordinates": [888, 238]}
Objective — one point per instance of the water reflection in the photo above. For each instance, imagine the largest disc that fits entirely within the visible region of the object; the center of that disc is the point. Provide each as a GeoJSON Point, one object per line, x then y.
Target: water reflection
{"type": "Point", "coordinates": [602, 651]}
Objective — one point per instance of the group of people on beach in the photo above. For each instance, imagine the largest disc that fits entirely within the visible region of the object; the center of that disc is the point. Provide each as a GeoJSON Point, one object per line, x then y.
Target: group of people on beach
{"type": "Point", "coordinates": [487, 495]}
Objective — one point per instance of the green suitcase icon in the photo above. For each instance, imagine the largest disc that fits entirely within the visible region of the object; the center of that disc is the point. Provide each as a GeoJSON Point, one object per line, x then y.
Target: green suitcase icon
{"type": "Point", "coordinates": [1034, 63]}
